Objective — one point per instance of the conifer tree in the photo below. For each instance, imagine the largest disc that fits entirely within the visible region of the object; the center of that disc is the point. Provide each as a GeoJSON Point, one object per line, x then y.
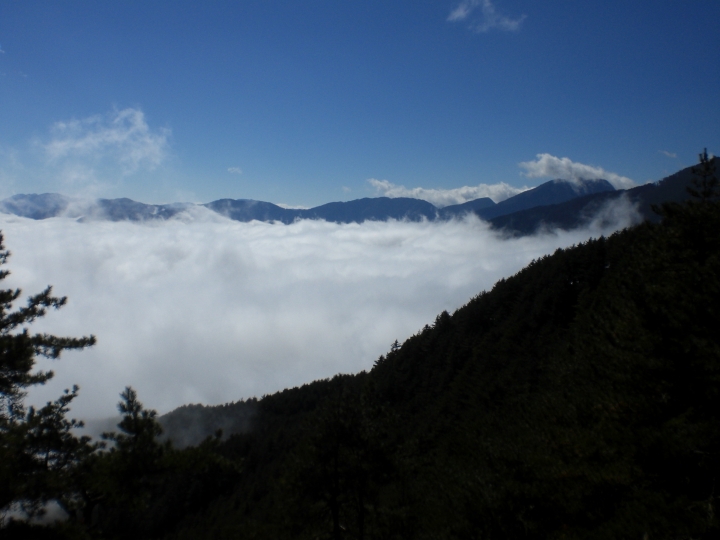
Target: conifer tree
{"type": "Point", "coordinates": [37, 447]}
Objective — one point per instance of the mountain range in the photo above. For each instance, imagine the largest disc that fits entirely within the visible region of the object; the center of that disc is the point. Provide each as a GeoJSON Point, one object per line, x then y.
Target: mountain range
{"type": "Point", "coordinates": [553, 204]}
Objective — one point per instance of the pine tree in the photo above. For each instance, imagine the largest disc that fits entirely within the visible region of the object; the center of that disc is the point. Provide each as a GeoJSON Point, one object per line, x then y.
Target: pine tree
{"type": "Point", "coordinates": [37, 447]}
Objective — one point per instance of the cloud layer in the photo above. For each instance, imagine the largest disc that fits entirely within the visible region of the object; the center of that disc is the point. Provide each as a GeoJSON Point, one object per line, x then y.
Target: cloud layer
{"type": "Point", "coordinates": [203, 309]}
{"type": "Point", "coordinates": [446, 197]}
{"type": "Point", "coordinates": [548, 166]}
{"type": "Point", "coordinates": [490, 17]}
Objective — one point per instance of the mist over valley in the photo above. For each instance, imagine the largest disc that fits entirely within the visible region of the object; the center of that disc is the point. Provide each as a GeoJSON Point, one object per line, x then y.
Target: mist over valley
{"type": "Point", "coordinates": [202, 309]}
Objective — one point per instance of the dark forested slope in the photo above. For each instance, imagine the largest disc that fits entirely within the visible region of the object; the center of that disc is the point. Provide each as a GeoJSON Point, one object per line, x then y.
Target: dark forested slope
{"type": "Point", "coordinates": [577, 399]}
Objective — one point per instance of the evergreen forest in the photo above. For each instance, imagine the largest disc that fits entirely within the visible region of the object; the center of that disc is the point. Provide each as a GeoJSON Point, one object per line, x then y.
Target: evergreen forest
{"type": "Point", "coordinates": [579, 398]}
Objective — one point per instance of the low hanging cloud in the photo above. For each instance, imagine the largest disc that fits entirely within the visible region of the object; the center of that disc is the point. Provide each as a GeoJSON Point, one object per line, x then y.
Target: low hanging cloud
{"type": "Point", "coordinates": [446, 197]}
{"type": "Point", "coordinates": [201, 309]}
{"type": "Point", "coordinates": [490, 19]}
{"type": "Point", "coordinates": [235, 170]}
{"type": "Point", "coordinates": [549, 166]}
{"type": "Point", "coordinates": [123, 137]}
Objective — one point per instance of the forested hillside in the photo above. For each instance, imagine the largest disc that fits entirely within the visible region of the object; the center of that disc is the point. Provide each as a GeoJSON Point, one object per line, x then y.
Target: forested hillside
{"type": "Point", "coordinates": [579, 398]}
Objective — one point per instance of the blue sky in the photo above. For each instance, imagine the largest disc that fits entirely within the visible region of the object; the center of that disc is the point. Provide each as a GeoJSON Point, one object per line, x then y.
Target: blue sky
{"type": "Point", "coordinates": [303, 102]}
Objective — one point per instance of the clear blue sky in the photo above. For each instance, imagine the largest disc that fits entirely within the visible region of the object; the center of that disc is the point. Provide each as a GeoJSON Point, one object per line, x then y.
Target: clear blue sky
{"type": "Point", "coordinates": [301, 102]}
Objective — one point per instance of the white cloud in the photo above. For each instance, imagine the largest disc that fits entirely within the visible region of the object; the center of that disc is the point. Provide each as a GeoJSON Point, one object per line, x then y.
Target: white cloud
{"type": "Point", "coordinates": [548, 166]}
{"type": "Point", "coordinates": [235, 170]}
{"type": "Point", "coordinates": [446, 197]}
{"type": "Point", "coordinates": [461, 12]}
{"type": "Point", "coordinates": [490, 17]}
{"type": "Point", "coordinates": [204, 309]}
{"type": "Point", "coordinates": [668, 154]}
{"type": "Point", "coordinates": [123, 137]}
{"type": "Point", "coordinates": [291, 207]}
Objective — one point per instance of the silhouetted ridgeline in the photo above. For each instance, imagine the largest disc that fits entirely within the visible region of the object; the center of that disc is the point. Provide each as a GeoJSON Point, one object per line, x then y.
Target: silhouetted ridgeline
{"type": "Point", "coordinates": [191, 424]}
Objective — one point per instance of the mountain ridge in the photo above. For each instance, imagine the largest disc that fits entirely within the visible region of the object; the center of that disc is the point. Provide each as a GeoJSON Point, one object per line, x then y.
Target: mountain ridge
{"type": "Point", "coordinates": [48, 205]}
{"type": "Point", "coordinates": [553, 204]}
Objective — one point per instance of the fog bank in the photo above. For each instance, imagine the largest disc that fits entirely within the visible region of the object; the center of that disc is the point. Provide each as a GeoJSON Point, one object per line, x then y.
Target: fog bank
{"type": "Point", "coordinates": [202, 309]}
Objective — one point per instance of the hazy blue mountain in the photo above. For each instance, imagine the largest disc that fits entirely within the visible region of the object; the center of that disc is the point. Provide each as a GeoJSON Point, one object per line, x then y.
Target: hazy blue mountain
{"type": "Point", "coordinates": [552, 192]}
{"type": "Point", "coordinates": [357, 211]}
{"type": "Point", "coordinates": [373, 209]}
{"type": "Point", "coordinates": [384, 208]}
{"type": "Point", "coordinates": [33, 206]}
{"type": "Point", "coordinates": [555, 204]}
{"type": "Point", "coordinates": [459, 210]}
{"type": "Point", "coordinates": [249, 210]}
{"type": "Point", "coordinates": [578, 211]}
{"type": "Point", "coordinates": [128, 210]}
{"type": "Point", "coordinates": [48, 205]}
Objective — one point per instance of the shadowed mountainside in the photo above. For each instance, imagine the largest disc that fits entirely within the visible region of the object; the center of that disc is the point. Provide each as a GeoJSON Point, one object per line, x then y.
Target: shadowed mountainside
{"type": "Point", "coordinates": [189, 425]}
{"type": "Point", "coordinates": [578, 211]}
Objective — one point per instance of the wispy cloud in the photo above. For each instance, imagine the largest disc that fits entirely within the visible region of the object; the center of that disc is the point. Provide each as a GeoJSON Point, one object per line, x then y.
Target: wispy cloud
{"type": "Point", "coordinates": [204, 309]}
{"type": "Point", "coordinates": [291, 207]}
{"type": "Point", "coordinates": [668, 154]}
{"type": "Point", "coordinates": [235, 170]}
{"type": "Point", "coordinates": [489, 20]}
{"type": "Point", "coordinates": [122, 136]}
{"type": "Point", "coordinates": [549, 166]}
{"type": "Point", "coordinates": [446, 197]}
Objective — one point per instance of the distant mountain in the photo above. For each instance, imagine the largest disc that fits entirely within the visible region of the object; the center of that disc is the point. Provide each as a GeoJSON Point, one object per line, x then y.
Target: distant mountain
{"type": "Point", "coordinates": [357, 211]}
{"type": "Point", "coordinates": [579, 211]}
{"type": "Point", "coordinates": [249, 210]}
{"type": "Point", "coordinates": [552, 192]}
{"type": "Point", "coordinates": [129, 210]}
{"type": "Point", "coordinates": [43, 206]}
{"type": "Point", "coordinates": [554, 204]}
{"type": "Point", "coordinates": [459, 210]}
{"type": "Point", "coordinates": [48, 205]}
{"type": "Point", "coordinates": [373, 209]}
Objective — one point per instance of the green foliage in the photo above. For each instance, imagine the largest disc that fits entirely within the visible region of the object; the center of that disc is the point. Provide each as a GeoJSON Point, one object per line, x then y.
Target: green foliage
{"type": "Point", "coordinates": [38, 451]}
{"type": "Point", "coordinates": [141, 487]}
{"type": "Point", "coordinates": [705, 182]}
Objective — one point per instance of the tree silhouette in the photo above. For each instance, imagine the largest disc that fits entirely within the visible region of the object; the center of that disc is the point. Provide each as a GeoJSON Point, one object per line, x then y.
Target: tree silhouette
{"type": "Point", "coordinates": [37, 447]}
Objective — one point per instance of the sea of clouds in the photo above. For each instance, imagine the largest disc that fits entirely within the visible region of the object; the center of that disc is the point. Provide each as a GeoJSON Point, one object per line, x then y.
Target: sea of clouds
{"type": "Point", "coordinates": [202, 309]}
